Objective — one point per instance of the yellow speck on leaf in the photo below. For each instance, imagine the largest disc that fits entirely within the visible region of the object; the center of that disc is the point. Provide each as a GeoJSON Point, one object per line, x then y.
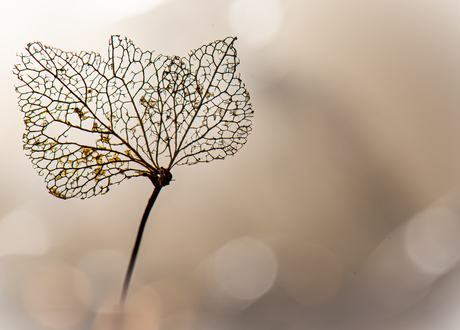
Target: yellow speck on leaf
{"type": "Point", "coordinates": [53, 191]}
{"type": "Point", "coordinates": [104, 138]}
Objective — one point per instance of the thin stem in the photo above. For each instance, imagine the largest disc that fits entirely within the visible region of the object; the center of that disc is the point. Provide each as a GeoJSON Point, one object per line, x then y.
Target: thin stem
{"type": "Point", "coordinates": [132, 261]}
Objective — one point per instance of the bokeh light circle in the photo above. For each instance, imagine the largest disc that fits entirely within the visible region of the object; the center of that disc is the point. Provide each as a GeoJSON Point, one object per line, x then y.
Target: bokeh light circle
{"type": "Point", "coordinates": [245, 268]}
{"type": "Point", "coordinates": [433, 240]}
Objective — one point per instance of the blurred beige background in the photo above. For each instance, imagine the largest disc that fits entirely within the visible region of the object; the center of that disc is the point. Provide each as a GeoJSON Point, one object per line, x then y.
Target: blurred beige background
{"type": "Point", "coordinates": [340, 213]}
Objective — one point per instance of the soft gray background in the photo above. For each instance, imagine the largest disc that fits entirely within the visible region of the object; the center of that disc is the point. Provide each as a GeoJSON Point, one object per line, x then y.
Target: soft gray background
{"type": "Point", "coordinates": [340, 213]}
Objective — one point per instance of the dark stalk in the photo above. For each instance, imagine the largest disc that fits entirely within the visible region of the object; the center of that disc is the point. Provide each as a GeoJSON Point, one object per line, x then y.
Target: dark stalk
{"type": "Point", "coordinates": [132, 261]}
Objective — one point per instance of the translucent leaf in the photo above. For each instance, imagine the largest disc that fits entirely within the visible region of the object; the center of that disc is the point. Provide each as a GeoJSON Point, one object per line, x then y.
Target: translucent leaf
{"type": "Point", "coordinates": [91, 123]}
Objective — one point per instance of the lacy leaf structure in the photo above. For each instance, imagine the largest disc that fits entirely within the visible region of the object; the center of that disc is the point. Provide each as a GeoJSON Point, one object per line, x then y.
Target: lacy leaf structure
{"type": "Point", "coordinates": [91, 123]}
